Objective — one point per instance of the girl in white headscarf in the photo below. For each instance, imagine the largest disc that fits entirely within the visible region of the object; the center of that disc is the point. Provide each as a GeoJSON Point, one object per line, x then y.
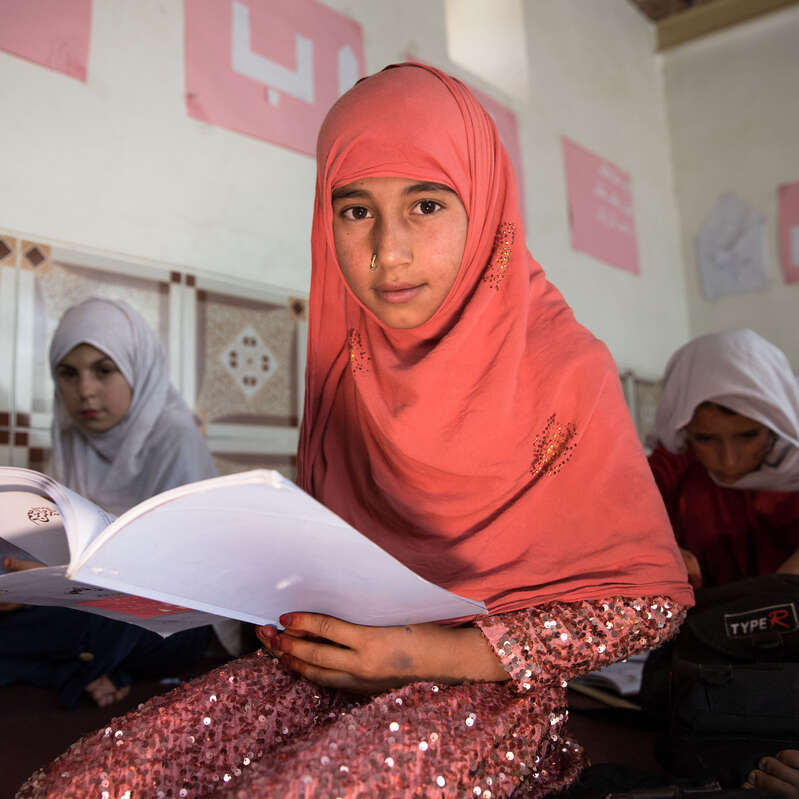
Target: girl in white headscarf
{"type": "Point", "coordinates": [120, 435]}
{"type": "Point", "coordinates": [727, 460]}
{"type": "Point", "coordinates": [118, 456]}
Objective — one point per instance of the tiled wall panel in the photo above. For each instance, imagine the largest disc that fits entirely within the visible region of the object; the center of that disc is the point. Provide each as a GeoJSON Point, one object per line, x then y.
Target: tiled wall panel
{"type": "Point", "coordinates": [9, 247]}
{"type": "Point", "coordinates": [246, 361]}
{"type": "Point", "coordinates": [236, 353]}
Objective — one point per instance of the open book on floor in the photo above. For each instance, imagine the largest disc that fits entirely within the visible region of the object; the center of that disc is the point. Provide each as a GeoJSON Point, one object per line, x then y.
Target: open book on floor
{"type": "Point", "coordinates": [613, 683]}
{"type": "Point", "coordinates": [247, 546]}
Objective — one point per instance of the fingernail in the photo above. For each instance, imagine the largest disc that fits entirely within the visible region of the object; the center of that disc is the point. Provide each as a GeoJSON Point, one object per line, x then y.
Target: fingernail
{"type": "Point", "coordinates": [747, 785]}
{"type": "Point", "coordinates": [286, 619]}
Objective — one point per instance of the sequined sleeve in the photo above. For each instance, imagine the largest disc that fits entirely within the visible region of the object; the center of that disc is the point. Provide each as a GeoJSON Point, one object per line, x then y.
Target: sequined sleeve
{"type": "Point", "coordinates": [559, 640]}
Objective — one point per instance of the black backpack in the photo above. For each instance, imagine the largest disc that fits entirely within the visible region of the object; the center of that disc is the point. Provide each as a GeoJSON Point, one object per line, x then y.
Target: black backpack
{"type": "Point", "coordinates": [727, 688]}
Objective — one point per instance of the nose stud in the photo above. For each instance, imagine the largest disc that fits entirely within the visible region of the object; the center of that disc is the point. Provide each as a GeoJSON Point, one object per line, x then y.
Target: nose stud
{"type": "Point", "coordinates": [373, 262]}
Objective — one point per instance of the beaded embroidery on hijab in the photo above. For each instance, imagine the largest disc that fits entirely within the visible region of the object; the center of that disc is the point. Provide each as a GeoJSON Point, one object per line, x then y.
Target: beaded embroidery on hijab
{"type": "Point", "coordinates": [463, 446]}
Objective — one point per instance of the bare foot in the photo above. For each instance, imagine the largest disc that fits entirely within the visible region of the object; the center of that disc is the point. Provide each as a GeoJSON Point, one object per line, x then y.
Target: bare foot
{"type": "Point", "coordinates": [104, 692]}
{"type": "Point", "coordinates": [778, 775]}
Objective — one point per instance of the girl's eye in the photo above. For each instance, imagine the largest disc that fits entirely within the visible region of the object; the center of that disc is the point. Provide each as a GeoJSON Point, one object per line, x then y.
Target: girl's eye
{"type": "Point", "coordinates": [750, 434]}
{"type": "Point", "coordinates": [64, 373]}
{"type": "Point", "coordinates": [106, 370]}
{"type": "Point", "coordinates": [355, 212]}
{"type": "Point", "coordinates": [427, 207]}
{"type": "Point", "coordinates": [702, 438]}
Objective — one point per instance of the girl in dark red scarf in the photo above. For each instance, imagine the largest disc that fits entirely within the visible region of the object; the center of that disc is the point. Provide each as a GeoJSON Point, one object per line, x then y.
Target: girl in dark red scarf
{"type": "Point", "coordinates": [727, 462]}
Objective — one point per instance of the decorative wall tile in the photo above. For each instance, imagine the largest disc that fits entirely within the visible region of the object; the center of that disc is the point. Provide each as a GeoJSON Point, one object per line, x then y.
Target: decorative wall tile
{"type": "Point", "coordinates": [39, 459]}
{"type": "Point", "coordinates": [246, 361]}
{"type": "Point", "coordinates": [249, 361]}
{"type": "Point", "coordinates": [8, 251]}
{"type": "Point", "coordinates": [20, 447]}
{"type": "Point", "coordinates": [35, 257]}
{"type": "Point", "coordinates": [298, 308]}
{"type": "Point", "coordinates": [5, 449]}
{"type": "Point", "coordinates": [8, 274]}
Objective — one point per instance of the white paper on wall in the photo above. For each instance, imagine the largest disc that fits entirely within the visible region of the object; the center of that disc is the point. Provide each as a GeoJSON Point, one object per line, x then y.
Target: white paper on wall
{"type": "Point", "coordinates": [731, 249]}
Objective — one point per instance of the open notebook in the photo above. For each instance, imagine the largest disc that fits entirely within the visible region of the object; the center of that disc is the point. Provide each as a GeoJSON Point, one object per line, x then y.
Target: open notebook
{"type": "Point", "coordinates": [247, 546]}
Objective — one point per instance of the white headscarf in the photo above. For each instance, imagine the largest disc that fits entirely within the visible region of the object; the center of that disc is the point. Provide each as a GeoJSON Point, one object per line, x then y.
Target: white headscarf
{"type": "Point", "coordinates": [747, 374]}
{"type": "Point", "coordinates": [156, 446]}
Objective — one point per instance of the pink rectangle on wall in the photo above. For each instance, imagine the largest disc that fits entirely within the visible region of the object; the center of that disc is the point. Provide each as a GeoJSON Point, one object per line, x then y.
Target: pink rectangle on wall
{"type": "Point", "coordinates": [508, 130]}
{"type": "Point", "coordinates": [600, 208]}
{"type": "Point", "coordinates": [788, 199]}
{"type": "Point", "coordinates": [269, 68]}
{"type": "Point", "coordinates": [53, 33]}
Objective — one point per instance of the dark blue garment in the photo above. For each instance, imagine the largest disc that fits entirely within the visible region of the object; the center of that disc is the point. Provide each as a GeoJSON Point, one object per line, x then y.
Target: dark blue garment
{"type": "Point", "coordinates": [67, 649]}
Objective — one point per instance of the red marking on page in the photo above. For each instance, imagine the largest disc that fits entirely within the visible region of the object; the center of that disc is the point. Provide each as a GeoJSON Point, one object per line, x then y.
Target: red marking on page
{"type": "Point", "coordinates": [136, 606]}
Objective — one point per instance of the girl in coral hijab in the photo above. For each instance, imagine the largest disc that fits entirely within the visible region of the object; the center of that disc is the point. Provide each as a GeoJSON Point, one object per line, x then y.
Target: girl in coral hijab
{"type": "Point", "coordinates": [458, 416]}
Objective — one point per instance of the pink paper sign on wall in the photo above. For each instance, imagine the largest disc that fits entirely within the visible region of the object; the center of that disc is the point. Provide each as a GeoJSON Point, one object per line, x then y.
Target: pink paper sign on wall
{"type": "Point", "coordinates": [508, 130]}
{"type": "Point", "coordinates": [600, 208]}
{"type": "Point", "coordinates": [53, 33]}
{"type": "Point", "coordinates": [269, 68]}
{"type": "Point", "coordinates": [788, 198]}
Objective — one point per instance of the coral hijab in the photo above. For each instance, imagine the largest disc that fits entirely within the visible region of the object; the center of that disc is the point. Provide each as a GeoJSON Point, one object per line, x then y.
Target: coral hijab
{"type": "Point", "coordinates": [489, 449]}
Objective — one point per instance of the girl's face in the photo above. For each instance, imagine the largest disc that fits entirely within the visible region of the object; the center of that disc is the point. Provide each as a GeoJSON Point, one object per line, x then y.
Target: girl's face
{"type": "Point", "coordinates": [728, 445]}
{"type": "Point", "coordinates": [415, 230]}
{"type": "Point", "coordinates": [95, 393]}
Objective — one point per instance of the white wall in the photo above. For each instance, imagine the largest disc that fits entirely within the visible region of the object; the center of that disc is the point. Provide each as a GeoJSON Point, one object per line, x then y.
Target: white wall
{"type": "Point", "coordinates": [733, 101]}
{"type": "Point", "coordinates": [594, 79]}
{"type": "Point", "coordinates": [117, 165]}
{"type": "Point", "coordinates": [490, 40]}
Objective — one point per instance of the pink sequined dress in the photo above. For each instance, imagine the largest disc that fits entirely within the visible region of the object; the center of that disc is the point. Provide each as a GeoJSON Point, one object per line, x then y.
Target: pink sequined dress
{"type": "Point", "coordinates": [253, 729]}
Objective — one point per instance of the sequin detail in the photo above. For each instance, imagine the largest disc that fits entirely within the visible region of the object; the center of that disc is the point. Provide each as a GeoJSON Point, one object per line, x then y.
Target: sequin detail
{"type": "Point", "coordinates": [500, 255]}
{"type": "Point", "coordinates": [565, 641]}
{"type": "Point", "coordinates": [552, 448]}
{"type": "Point", "coordinates": [359, 358]}
{"type": "Point", "coordinates": [272, 733]}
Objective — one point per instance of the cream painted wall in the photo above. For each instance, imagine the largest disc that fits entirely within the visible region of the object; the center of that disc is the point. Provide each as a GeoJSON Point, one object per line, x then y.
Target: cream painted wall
{"type": "Point", "coordinates": [733, 102]}
{"type": "Point", "coordinates": [118, 166]}
{"type": "Point", "coordinates": [594, 79]}
{"type": "Point", "coordinates": [490, 40]}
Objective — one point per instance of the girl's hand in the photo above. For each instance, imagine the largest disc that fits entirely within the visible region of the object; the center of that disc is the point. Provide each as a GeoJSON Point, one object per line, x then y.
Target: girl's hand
{"type": "Point", "coordinates": [778, 775]}
{"type": "Point", "coordinates": [20, 565]}
{"type": "Point", "coordinates": [370, 660]}
{"type": "Point", "coordinates": [693, 567]}
{"type": "Point", "coordinates": [790, 565]}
